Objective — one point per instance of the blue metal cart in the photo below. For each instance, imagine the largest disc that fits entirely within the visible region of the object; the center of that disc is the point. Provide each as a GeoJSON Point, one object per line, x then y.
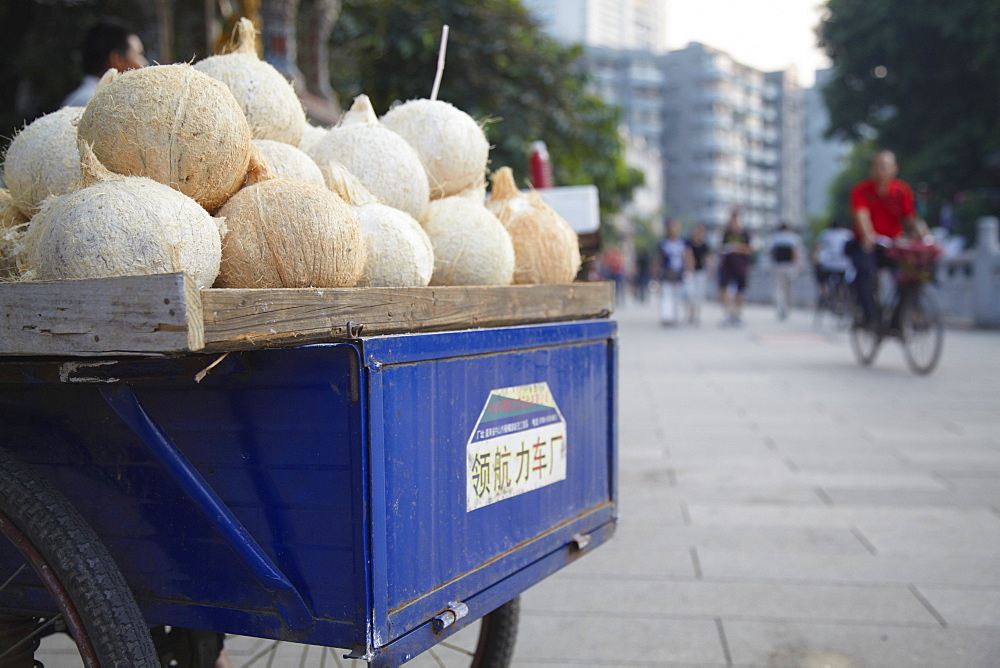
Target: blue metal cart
{"type": "Point", "coordinates": [377, 493]}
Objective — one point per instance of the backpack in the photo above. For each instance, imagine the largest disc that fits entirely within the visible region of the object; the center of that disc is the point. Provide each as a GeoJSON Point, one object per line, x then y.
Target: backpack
{"type": "Point", "coordinates": [782, 254]}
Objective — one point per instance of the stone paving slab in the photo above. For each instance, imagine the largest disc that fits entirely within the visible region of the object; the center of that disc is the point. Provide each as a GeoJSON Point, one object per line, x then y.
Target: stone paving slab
{"type": "Point", "coordinates": [804, 645]}
{"type": "Point", "coordinates": [577, 638]}
{"type": "Point", "coordinates": [727, 600]}
{"type": "Point", "coordinates": [869, 516]}
{"type": "Point", "coordinates": [964, 606]}
{"type": "Point", "coordinates": [743, 540]}
{"type": "Point", "coordinates": [901, 481]}
{"type": "Point", "coordinates": [933, 569]}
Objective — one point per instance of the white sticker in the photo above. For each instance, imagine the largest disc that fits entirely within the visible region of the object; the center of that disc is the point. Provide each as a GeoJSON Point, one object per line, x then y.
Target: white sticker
{"type": "Point", "coordinates": [518, 445]}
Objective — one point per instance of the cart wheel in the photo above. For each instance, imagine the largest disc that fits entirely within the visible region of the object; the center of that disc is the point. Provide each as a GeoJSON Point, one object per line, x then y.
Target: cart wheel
{"type": "Point", "coordinates": [497, 636]}
{"type": "Point", "coordinates": [94, 602]}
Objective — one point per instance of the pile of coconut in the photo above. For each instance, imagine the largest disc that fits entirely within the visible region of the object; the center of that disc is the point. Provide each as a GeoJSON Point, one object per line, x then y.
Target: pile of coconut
{"type": "Point", "coordinates": [212, 169]}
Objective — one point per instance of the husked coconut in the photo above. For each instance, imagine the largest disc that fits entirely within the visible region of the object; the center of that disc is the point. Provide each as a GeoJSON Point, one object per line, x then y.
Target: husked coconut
{"type": "Point", "coordinates": [476, 192]}
{"type": "Point", "coordinates": [121, 226]}
{"type": "Point", "coordinates": [12, 224]}
{"type": "Point", "coordinates": [311, 136]}
{"type": "Point", "coordinates": [380, 159]}
{"type": "Point", "coordinates": [287, 233]}
{"type": "Point", "coordinates": [43, 160]}
{"type": "Point", "coordinates": [400, 254]}
{"type": "Point", "coordinates": [288, 162]}
{"type": "Point", "coordinates": [471, 246]}
{"type": "Point", "coordinates": [267, 98]}
{"type": "Point", "coordinates": [10, 215]}
{"type": "Point", "coordinates": [173, 124]}
{"type": "Point", "coordinates": [546, 249]}
{"type": "Point", "coordinates": [451, 145]}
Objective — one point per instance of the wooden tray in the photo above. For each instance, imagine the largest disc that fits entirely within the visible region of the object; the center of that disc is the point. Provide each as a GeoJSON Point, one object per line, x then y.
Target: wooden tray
{"type": "Point", "coordinates": [165, 313]}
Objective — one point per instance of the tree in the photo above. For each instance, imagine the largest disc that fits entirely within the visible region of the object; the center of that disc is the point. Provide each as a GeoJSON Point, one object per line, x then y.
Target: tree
{"type": "Point", "coordinates": [839, 190]}
{"type": "Point", "coordinates": [924, 77]}
{"type": "Point", "coordinates": [501, 69]}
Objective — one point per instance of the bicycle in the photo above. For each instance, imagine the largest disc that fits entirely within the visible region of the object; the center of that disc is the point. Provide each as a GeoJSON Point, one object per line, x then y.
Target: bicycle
{"type": "Point", "coordinates": [912, 316]}
{"type": "Point", "coordinates": [834, 297]}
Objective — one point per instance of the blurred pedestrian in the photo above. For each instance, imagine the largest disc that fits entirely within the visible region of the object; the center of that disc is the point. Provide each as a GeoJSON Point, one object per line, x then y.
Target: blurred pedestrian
{"type": "Point", "coordinates": [831, 263]}
{"type": "Point", "coordinates": [675, 261]}
{"type": "Point", "coordinates": [641, 277]}
{"type": "Point", "coordinates": [696, 280]}
{"type": "Point", "coordinates": [106, 44]}
{"type": "Point", "coordinates": [613, 268]}
{"type": "Point", "coordinates": [786, 261]}
{"type": "Point", "coordinates": [734, 265]}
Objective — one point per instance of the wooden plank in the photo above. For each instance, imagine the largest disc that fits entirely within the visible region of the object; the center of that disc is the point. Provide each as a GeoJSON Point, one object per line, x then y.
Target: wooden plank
{"type": "Point", "coordinates": [238, 319]}
{"type": "Point", "coordinates": [102, 316]}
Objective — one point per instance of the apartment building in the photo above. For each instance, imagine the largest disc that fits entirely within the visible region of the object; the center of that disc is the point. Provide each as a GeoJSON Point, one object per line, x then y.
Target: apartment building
{"type": "Point", "coordinates": [824, 158]}
{"type": "Point", "coordinates": [728, 136]}
{"type": "Point", "coordinates": [614, 24]}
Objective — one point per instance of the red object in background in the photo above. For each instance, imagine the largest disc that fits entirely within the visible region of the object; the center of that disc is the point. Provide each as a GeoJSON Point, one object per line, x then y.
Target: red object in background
{"type": "Point", "coordinates": [541, 168]}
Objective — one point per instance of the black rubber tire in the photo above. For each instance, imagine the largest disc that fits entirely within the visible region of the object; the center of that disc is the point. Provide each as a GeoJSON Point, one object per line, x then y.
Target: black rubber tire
{"type": "Point", "coordinates": [82, 566]}
{"type": "Point", "coordinates": [865, 342]}
{"type": "Point", "coordinates": [497, 636]}
{"type": "Point", "coordinates": [922, 332]}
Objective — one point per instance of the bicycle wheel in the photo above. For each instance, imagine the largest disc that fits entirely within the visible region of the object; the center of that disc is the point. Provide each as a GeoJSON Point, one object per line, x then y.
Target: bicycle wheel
{"type": "Point", "coordinates": [492, 646]}
{"type": "Point", "coordinates": [842, 306]}
{"type": "Point", "coordinates": [865, 341]}
{"type": "Point", "coordinates": [48, 547]}
{"type": "Point", "coordinates": [922, 331]}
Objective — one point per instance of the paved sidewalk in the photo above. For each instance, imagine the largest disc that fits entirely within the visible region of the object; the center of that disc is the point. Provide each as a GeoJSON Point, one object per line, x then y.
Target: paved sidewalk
{"type": "Point", "coordinates": [783, 506]}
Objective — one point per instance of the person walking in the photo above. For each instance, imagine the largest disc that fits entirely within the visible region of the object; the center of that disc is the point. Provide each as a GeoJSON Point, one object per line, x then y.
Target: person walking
{"type": "Point", "coordinates": [675, 260]}
{"type": "Point", "coordinates": [641, 278]}
{"type": "Point", "coordinates": [786, 261]}
{"type": "Point", "coordinates": [734, 265]}
{"type": "Point", "coordinates": [613, 269]}
{"type": "Point", "coordinates": [106, 44]}
{"type": "Point", "coordinates": [696, 280]}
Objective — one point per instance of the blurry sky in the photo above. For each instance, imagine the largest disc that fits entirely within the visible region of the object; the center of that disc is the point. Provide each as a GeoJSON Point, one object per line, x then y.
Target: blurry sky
{"type": "Point", "coordinates": [765, 34]}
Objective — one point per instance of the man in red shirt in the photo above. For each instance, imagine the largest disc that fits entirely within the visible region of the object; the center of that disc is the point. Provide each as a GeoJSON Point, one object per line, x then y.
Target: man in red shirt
{"type": "Point", "coordinates": [881, 205]}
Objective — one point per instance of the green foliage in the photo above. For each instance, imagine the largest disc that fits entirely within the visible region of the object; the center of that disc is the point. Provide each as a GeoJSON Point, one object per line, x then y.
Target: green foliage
{"type": "Point", "coordinates": [840, 189]}
{"type": "Point", "coordinates": [646, 233]}
{"type": "Point", "coordinates": [501, 69]}
{"type": "Point", "coordinates": [925, 76]}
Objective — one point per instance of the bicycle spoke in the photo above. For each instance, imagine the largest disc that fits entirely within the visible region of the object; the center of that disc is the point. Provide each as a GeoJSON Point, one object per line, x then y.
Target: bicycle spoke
{"type": "Point", "coordinates": [266, 652]}
{"type": "Point", "coordinates": [436, 658]}
{"type": "Point", "coordinates": [305, 655]}
{"type": "Point", "coordinates": [456, 648]}
{"type": "Point", "coordinates": [11, 578]}
{"type": "Point", "coordinates": [32, 635]}
{"type": "Point", "coordinates": [333, 653]}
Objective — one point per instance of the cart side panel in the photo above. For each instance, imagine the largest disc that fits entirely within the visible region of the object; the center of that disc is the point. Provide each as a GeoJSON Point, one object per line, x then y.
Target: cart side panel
{"type": "Point", "coordinates": [273, 433]}
{"type": "Point", "coordinates": [436, 550]}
